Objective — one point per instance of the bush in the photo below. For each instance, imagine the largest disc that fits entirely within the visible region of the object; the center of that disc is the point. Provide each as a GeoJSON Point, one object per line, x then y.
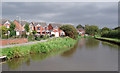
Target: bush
{"type": "Point", "coordinates": [31, 38]}
{"type": "Point", "coordinates": [24, 35]}
{"type": "Point", "coordinates": [37, 38]}
{"type": "Point", "coordinates": [45, 37]}
{"type": "Point", "coordinates": [48, 36]}
{"type": "Point", "coordinates": [53, 35]}
{"type": "Point", "coordinates": [4, 36]}
{"type": "Point", "coordinates": [41, 36]}
{"type": "Point", "coordinates": [111, 34]}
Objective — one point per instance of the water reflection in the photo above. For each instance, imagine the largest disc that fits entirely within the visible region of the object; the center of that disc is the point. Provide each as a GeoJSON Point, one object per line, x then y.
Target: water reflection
{"type": "Point", "coordinates": [110, 45]}
{"type": "Point", "coordinates": [70, 52]}
{"type": "Point", "coordinates": [87, 54]}
{"type": "Point", "coordinates": [17, 62]}
{"type": "Point", "coordinates": [91, 43]}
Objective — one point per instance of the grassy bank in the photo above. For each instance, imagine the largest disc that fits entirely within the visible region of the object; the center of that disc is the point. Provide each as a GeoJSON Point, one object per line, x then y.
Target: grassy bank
{"type": "Point", "coordinates": [112, 40]}
{"type": "Point", "coordinates": [44, 47]}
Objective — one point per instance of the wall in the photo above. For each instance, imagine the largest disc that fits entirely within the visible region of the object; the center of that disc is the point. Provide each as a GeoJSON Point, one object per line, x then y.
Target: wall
{"type": "Point", "coordinates": [13, 41]}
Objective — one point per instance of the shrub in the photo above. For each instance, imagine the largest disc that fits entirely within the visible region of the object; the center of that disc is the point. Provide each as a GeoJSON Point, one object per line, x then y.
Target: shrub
{"type": "Point", "coordinates": [45, 37]}
{"type": "Point", "coordinates": [111, 34]}
{"type": "Point", "coordinates": [37, 38]}
{"type": "Point", "coordinates": [4, 36]}
{"type": "Point", "coordinates": [24, 35]}
{"type": "Point", "coordinates": [48, 36]}
{"type": "Point", "coordinates": [31, 38]}
{"type": "Point", "coordinates": [41, 36]}
{"type": "Point", "coordinates": [53, 35]}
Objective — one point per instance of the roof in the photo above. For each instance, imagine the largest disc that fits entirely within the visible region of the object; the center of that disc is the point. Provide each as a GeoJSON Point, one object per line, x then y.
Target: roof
{"type": "Point", "coordinates": [80, 29]}
{"type": "Point", "coordinates": [56, 24]}
{"type": "Point", "coordinates": [18, 26]}
{"type": "Point", "coordinates": [43, 24]}
{"type": "Point", "coordinates": [4, 20]}
{"type": "Point", "coordinates": [23, 22]}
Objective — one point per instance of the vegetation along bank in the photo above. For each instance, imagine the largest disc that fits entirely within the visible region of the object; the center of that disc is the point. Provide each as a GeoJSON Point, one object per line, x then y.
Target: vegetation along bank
{"type": "Point", "coordinates": [44, 47]}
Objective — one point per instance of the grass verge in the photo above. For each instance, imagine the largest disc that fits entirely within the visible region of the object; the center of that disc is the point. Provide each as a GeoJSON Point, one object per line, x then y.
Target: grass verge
{"type": "Point", "coordinates": [44, 47]}
{"type": "Point", "coordinates": [112, 40]}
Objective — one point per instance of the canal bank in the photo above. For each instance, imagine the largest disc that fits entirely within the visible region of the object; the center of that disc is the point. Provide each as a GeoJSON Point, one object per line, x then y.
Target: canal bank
{"type": "Point", "coordinates": [110, 40]}
{"type": "Point", "coordinates": [44, 47]}
{"type": "Point", "coordinates": [88, 54]}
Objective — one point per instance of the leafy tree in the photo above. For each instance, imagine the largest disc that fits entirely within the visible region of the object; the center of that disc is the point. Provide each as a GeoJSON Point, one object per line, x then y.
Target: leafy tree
{"type": "Point", "coordinates": [4, 30]}
{"type": "Point", "coordinates": [27, 27]}
{"type": "Point", "coordinates": [12, 26]}
{"type": "Point", "coordinates": [105, 29]}
{"type": "Point", "coordinates": [91, 29]}
{"type": "Point", "coordinates": [79, 26]}
{"type": "Point", "coordinates": [70, 31]}
{"type": "Point", "coordinates": [11, 29]}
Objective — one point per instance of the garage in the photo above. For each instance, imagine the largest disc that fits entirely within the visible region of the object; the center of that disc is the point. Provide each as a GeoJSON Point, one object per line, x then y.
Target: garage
{"type": "Point", "coordinates": [55, 32]}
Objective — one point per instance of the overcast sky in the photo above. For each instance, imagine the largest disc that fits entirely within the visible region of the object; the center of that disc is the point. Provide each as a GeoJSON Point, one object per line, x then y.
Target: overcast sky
{"type": "Point", "coordinates": [102, 14]}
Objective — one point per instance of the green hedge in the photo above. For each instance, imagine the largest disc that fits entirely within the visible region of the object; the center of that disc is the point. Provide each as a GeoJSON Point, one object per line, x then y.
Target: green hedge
{"type": "Point", "coordinates": [112, 34]}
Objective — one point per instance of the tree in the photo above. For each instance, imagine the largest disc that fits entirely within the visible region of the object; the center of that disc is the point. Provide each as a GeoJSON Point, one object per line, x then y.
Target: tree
{"type": "Point", "coordinates": [27, 27]}
{"type": "Point", "coordinates": [79, 26]}
{"type": "Point", "coordinates": [4, 30]}
{"type": "Point", "coordinates": [91, 29]}
{"type": "Point", "coordinates": [70, 31]}
{"type": "Point", "coordinates": [12, 26]}
{"type": "Point", "coordinates": [11, 29]}
{"type": "Point", "coordinates": [105, 29]}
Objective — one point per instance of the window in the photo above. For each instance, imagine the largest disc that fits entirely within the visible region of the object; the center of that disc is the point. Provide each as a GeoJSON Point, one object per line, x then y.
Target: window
{"type": "Point", "coordinates": [45, 28]}
{"type": "Point", "coordinates": [31, 28]}
{"type": "Point", "coordinates": [7, 26]}
{"type": "Point", "coordinates": [38, 28]}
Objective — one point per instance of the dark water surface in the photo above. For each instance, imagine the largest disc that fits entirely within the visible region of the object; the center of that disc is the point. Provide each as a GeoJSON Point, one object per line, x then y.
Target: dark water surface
{"type": "Point", "coordinates": [87, 55]}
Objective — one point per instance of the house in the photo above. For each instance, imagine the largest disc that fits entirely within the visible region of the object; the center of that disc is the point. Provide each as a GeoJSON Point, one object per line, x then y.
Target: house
{"type": "Point", "coordinates": [23, 23]}
{"type": "Point", "coordinates": [6, 23]}
{"type": "Point", "coordinates": [31, 26]}
{"type": "Point", "coordinates": [81, 31]}
{"type": "Point", "coordinates": [54, 29]}
{"type": "Point", "coordinates": [41, 28]}
{"type": "Point", "coordinates": [18, 27]}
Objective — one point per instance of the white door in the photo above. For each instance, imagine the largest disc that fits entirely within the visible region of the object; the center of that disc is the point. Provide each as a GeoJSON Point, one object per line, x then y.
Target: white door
{"type": "Point", "coordinates": [17, 32]}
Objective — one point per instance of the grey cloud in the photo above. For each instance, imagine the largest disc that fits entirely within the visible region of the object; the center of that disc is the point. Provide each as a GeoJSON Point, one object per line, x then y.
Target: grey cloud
{"type": "Point", "coordinates": [97, 13]}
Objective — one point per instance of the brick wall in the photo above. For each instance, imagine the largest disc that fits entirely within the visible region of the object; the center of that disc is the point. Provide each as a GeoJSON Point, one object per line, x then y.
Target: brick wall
{"type": "Point", "coordinates": [13, 41]}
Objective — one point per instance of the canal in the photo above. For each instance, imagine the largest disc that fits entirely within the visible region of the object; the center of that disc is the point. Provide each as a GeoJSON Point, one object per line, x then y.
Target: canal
{"type": "Point", "coordinates": [87, 55]}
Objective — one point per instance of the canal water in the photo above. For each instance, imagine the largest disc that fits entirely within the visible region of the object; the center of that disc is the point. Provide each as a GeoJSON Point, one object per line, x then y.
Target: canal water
{"type": "Point", "coordinates": [87, 55]}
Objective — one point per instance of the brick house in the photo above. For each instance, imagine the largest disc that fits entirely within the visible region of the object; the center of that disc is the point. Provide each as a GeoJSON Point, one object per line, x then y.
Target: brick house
{"type": "Point", "coordinates": [41, 28]}
{"type": "Point", "coordinates": [54, 29]}
{"type": "Point", "coordinates": [18, 27]}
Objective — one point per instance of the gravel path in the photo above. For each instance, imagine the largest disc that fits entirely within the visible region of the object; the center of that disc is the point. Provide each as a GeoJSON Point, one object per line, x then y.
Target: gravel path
{"type": "Point", "coordinates": [29, 43]}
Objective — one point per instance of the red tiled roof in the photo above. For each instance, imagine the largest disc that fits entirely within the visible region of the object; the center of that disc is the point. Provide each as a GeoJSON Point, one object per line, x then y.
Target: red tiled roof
{"type": "Point", "coordinates": [18, 26]}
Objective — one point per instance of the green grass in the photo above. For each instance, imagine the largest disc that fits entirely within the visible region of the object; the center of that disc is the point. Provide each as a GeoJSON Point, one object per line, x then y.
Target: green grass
{"type": "Point", "coordinates": [111, 39]}
{"type": "Point", "coordinates": [44, 47]}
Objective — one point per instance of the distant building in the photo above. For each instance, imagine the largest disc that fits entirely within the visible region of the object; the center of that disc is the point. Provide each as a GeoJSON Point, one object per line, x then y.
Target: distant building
{"type": "Point", "coordinates": [81, 31]}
